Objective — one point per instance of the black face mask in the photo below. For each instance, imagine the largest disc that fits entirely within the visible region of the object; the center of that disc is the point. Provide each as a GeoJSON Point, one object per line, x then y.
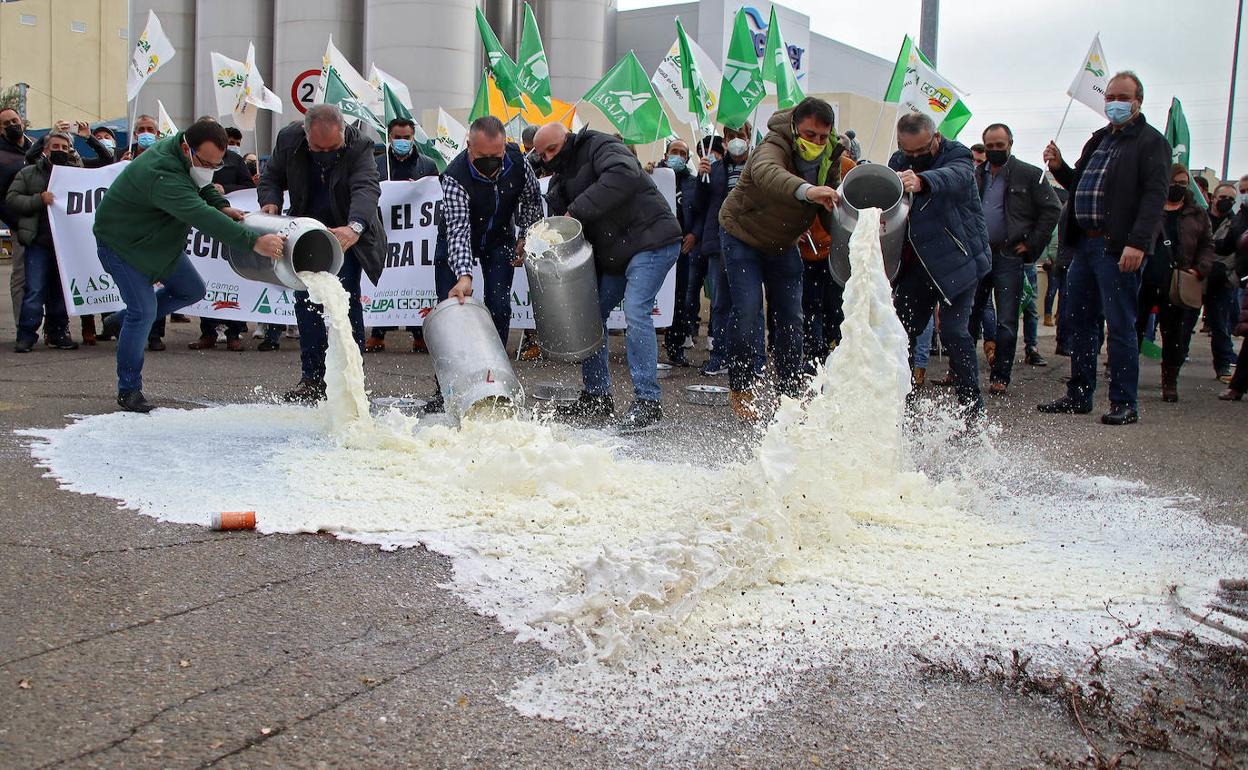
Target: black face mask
{"type": "Point", "coordinates": [1177, 193]}
{"type": "Point", "coordinates": [563, 160]}
{"type": "Point", "coordinates": [59, 158]}
{"type": "Point", "coordinates": [251, 167]}
{"type": "Point", "coordinates": [920, 163]}
{"type": "Point", "coordinates": [998, 157]}
{"type": "Point", "coordinates": [1223, 206]}
{"type": "Point", "coordinates": [325, 158]}
{"type": "Point", "coordinates": [14, 132]}
{"type": "Point", "coordinates": [488, 165]}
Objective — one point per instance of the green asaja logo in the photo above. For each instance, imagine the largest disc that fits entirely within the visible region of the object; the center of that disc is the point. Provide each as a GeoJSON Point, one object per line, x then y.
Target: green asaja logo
{"type": "Point", "coordinates": [77, 295]}
{"type": "Point", "coordinates": [262, 304]}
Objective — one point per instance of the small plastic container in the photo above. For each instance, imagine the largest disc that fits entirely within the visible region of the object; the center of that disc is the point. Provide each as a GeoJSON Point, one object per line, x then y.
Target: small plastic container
{"type": "Point", "coordinates": [232, 520]}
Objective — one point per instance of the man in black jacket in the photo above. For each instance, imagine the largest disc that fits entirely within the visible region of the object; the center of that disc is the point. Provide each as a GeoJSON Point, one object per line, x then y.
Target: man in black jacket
{"type": "Point", "coordinates": [1111, 222]}
{"type": "Point", "coordinates": [636, 238]}
{"type": "Point", "coordinates": [1020, 210]}
{"type": "Point", "coordinates": [329, 171]}
{"type": "Point", "coordinates": [684, 321]}
{"type": "Point", "coordinates": [14, 144]}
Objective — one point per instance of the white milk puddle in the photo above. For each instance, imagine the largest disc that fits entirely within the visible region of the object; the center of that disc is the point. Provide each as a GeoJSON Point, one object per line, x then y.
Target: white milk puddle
{"type": "Point", "coordinates": [683, 599]}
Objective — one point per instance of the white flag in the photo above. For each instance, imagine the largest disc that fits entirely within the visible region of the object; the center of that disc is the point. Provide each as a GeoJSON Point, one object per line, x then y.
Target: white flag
{"type": "Point", "coordinates": [228, 76]}
{"type": "Point", "coordinates": [150, 54]}
{"type": "Point", "coordinates": [364, 92]}
{"type": "Point", "coordinates": [452, 136]}
{"type": "Point", "coordinates": [668, 82]}
{"type": "Point", "coordinates": [1089, 85]}
{"type": "Point", "coordinates": [164, 124]}
{"type": "Point", "coordinates": [376, 77]}
{"type": "Point", "coordinates": [577, 124]}
{"type": "Point", "coordinates": [252, 95]}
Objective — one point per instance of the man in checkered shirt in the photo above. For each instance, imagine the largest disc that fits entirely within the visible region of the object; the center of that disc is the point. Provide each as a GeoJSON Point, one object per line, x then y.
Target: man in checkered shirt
{"type": "Point", "coordinates": [490, 197]}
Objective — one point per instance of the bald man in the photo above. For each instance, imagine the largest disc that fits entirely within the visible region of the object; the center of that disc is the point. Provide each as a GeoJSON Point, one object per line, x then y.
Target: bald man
{"type": "Point", "coordinates": [636, 238]}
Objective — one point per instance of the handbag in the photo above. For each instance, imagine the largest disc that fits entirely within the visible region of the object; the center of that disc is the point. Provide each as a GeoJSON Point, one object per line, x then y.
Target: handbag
{"type": "Point", "coordinates": [1186, 289]}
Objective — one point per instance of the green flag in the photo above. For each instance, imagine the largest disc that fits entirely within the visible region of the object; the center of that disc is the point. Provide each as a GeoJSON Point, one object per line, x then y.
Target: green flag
{"type": "Point", "coordinates": [534, 73]}
{"type": "Point", "coordinates": [506, 76]}
{"type": "Point", "coordinates": [394, 108]}
{"type": "Point", "coordinates": [691, 79]}
{"type": "Point", "coordinates": [742, 87]}
{"type": "Point", "coordinates": [1180, 139]}
{"type": "Point", "coordinates": [778, 69]}
{"type": "Point", "coordinates": [626, 98]}
{"type": "Point", "coordinates": [481, 105]}
{"type": "Point", "coordinates": [337, 94]}
{"type": "Point", "coordinates": [917, 85]}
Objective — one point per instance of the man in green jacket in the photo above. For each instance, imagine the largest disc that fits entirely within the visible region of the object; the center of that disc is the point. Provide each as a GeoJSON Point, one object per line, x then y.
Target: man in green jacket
{"type": "Point", "coordinates": [141, 227]}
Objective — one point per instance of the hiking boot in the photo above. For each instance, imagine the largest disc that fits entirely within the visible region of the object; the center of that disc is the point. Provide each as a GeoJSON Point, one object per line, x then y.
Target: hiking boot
{"type": "Point", "coordinates": [205, 342]}
{"type": "Point", "coordinates": [1064, 405]}
{"type": "Point", "coordinates": [743, 406]}
{"type": "Point", "coordinates": [1120, 414]}
{"type": "Point", "coordinates": [1033, 357]}
{"type": "Point", "coordinates": [713, 370]}
{"type": "Point", "coordinates": [235, 345]}
{"type": "Point", "coordinates": [1048, 320]}
{"type": "Point", "coordinates": [133, 401]}
{"type": "Point", "coordinates": [267, 345]}
{"type": "Point", "coordinates": [375, 345]}
{"type": "Point", "coordinates": [306, 392]}
{"type": "Point", "coordinates": [642, 416]}
{"type": "Point", "coordinates": [1170, 384]}
{"type": "Point", "coordinates": [589, 408]}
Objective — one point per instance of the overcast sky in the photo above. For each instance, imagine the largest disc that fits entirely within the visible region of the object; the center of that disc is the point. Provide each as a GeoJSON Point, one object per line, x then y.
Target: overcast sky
{"type": "Point", "coordinates": [1016, 59]}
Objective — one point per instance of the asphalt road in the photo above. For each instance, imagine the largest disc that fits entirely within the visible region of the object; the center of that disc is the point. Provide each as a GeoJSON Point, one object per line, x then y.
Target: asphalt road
{"type": "Point", "coordinates": [128, 643]}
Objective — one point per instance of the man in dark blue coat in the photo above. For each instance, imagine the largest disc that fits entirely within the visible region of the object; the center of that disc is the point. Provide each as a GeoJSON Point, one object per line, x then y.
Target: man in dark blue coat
{"type": "Point", "coordinates": [946, 252]}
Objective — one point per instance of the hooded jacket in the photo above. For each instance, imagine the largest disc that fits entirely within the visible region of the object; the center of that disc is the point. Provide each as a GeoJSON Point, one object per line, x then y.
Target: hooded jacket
{"type": "Point", "coordinates": [25, 199]}
{"type": "Point", "coordinates": [354, 189]}
{"type": "Point", "coordinates": [622, 212]}
{"type": "Point", "coordinates": [763, 211]}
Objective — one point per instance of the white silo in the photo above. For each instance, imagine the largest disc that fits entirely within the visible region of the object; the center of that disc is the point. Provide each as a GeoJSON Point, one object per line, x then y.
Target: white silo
{"type": "Point", "coordinates": [431, 46]}
{"type": "Point", "coordinates": [301, 28]}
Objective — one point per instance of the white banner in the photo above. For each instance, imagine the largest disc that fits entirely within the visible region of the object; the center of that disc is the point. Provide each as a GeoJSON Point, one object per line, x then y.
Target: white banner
{"type": "Point", "coordinates": [405, 295]}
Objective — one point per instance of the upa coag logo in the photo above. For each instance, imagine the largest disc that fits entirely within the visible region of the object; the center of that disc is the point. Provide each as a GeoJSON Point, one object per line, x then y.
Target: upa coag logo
{"type": "Point", "coordinates": [760, 38]}
{"type": "Point", "coordinates": [938, 99]}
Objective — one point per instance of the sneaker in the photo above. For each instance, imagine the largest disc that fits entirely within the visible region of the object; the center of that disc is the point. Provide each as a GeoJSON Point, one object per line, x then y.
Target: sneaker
{"type": "Point", "coordinates": [23, 346]}
{"type": "Point", "coordinates": [589, 408]}
{"type": "Point", "coordinates": [1033, 357]}
{"type": "Point", "coordinates": [258, 334]}
{"type": "Point", "coordinates": [63, 342]}
{"type": "Point", "coordinates": [221, 335]}
{"type": "Point", "coordinates": [1120, 414]}
{"type": "Point", "coordinates": [713, 370]}
{"type": "Point", "coordinates": [292, 332]}
{"type": "Point", "coordinates": [110, 327]}
{"type": "Point", "coordinates": [206, 342]}
{"type": "Point", "coordinates": [266, 346]}
{"type": "Point", "coordinates": [689, 342]}
{"type": "Point", "coordinates": [710, 344]}
{"type": "Point", "coordinates": [642, 416]}
{"type": "Point", "coordinates": [306, 392]}
{"type": "Point", "coordinates": [679, 359]}
{"type": "Point", "coordinates": [133, 401]}
{"type": "Point", "coordinates": [1064, 405]}
{"type": "Point", "coordinates": [156, 344]}
{"type": "Point", "coordinates": [1225, 375]}
{"type": "Point", "coordinates": [375, 345]}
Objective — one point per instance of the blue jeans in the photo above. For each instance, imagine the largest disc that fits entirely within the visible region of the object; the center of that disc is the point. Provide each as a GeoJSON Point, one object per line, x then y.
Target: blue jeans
{"type": "Point", "coordinates": [1098, 292]}
{"type": "Point", "coordinates": [313, 336]}
{"type": "Point", "coordinates": [923, 344]}
{"type": "Point", "coordinates": [722, 327]}
{"type": "Point", "coordinates": [1031, 321]}
{"type": "Point", "coordinates": [914, 297]}
{"type": "Point", "coordinates": [749, 274]}
{"type": "Point", "coordinates": [1057, 276]}
{"type": "Point", "coordinates": [180, 288]}
{"type": "Point", "coordinates": [497, 274]}
{"type": "Point", "coordinates": [1221, 310]}
{"type": "Point", "coordinates": [637, 288]}
{"type": "Point", "coordinates": [42, 293]}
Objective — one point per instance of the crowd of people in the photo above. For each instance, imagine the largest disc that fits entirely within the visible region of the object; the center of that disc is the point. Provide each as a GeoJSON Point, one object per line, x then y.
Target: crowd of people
{"type": "Point", "coordinates": [1129, 249]}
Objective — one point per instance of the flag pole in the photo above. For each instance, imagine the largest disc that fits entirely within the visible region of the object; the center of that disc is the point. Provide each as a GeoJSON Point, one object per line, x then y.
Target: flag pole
{"type": "Point", "coordinates": [1063, 123]}
{"type": "Point", "coordinates": [878, 117]}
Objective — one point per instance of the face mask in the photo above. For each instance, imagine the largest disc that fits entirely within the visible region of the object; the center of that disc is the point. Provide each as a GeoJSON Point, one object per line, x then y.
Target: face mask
{"type": "Point", "coordinates": [59, 158]}
{"type": "Point", "coordinates": [1118, 112]}
{"type": "Point", "coordinates": [324, 158]}
{"type": "Point", "coordinates": [563, 159]}
{"type": "Point", "coordinates": [676, 163]}
{"type": "Point", "coordinates": [920, 163]}
{"type": "Point", "coordinates": [998, 157]}
{"type": "Point", "coordinates": [235, 149]}
{"type": "Point", "coordinates": [809, 150]}
{"type": "Point", "coordinates": [737, 147]}
{"type": "Point", "coordinates": [402, 147]}
{"type": "Point", "coordinates": [109, 144]}
{"type": "Point", "coordinates": [14, 132]}
{"type": "Point", "coordinates": [1243, 199]}
{"type": "Point", "coordinates": [202, 176]}
{"type": "Point", "coordinates": [1223, 206]}
{"type": "Point", "coordinates": [252, 168]}
{"type": "Point", "coordinates": [146, 140]}
{"type": "Point", "coordinates": [488, 165]}
{"type": "Point", "coordinates": [1176, 193]}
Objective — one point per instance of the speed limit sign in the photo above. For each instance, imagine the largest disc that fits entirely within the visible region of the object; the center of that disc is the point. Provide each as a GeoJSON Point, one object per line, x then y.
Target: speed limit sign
{"type": "Point", "coordinates": [303, 90]}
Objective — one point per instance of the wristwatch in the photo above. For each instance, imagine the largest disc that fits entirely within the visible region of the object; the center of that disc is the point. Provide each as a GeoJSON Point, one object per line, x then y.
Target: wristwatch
{"type": "Point", "coordinates": [357, 227]}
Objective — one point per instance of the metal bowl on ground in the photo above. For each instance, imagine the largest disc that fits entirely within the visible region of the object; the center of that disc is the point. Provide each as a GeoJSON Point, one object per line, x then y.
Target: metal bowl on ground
{"type": "Point", "coordinates": [402, 404]}
{"type": "Point", "coordinates": [553, 391]}
{"type": "Point", "coordinates": [664, 371]}
{"type": "Point", "coordinates": [706, 395]}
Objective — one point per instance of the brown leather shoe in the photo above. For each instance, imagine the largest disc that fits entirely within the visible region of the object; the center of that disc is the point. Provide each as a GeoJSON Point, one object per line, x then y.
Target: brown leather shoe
{"type": "Point", "coordinates": [1230, 394]}
{"type": "Point", "coordinates": [374, 345]}
{"type": "Point", "coordinates": [919, 378]}
{"type": "Point", "coordinates": [234, 345]}
{"type": "Point", "coordinates": [88, 331]}
{"type": "Point", "coordinates": [530, 352]}
{"type": "Point", "coordinates": [743, 405]}
{"type": "Point", "coordinates": [206, 342]}
{"type": "Point", "coordinates": [418, 345]}
{"type": "Point", "coordinates": [990, 352]}
{"type": "Point", "coordinates": [997, 388]}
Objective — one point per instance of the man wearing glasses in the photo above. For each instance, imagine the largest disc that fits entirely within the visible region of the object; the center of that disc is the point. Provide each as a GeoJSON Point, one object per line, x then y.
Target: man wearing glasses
{"type": "Point", "coordinates": [141, 227]}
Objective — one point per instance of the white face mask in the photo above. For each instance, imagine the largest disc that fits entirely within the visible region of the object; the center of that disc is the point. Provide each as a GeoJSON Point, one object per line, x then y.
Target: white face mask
{"type": "Point", "coordinates": [202, 176]}
{"type": "Point", "coordinates": [1243, 199]}
{"type": "Point", "coordinates": [737, 147]}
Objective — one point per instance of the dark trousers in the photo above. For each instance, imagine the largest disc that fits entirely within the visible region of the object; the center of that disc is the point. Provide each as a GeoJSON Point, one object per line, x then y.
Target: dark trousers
{"type": "Point", "coordinates": [1239, 381]}
{"type": "Point", "coordinates": [42, 299]}
{"type": "Point", "coordinates": [1221, 311]}
{"type": "Point", "coordinates": [1098, 293]}
{"type": "Point", "coordinates": [676, 334]}
{"type": "Point", "coordinates": [233, 329]}
{"type": "Point", "coordinates": [750, 273]}
{"type": "Point", "coordinates": [1175, 323]}
{"type": "Point", "coordinates": [914, 297]}
{"type": "Point", "coordinates": [1004, 285]}
{"type": "Point", "coordinates": [822, 310]}
{"type": "Point", "coordinates": [497, 274]}
{"type": "Point", "coordinates": [699, 272]}
{"type": "Point", "coordinates": [313, 336]}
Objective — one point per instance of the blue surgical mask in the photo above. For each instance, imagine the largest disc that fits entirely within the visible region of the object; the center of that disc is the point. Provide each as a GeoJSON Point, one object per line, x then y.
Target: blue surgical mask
{"type": "Point", "coordinates": [676, 163]}
{"type": "Point", "coordinates": [235, 149]}
{"type": "Point", "coordinates": [1118, 112]}
{"type": "Point", "coordinates": [109, 144]}
{"type": "Point", "coordinates": [145, 140]}
{"type": "Point", "coordinates": [402, 147]}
